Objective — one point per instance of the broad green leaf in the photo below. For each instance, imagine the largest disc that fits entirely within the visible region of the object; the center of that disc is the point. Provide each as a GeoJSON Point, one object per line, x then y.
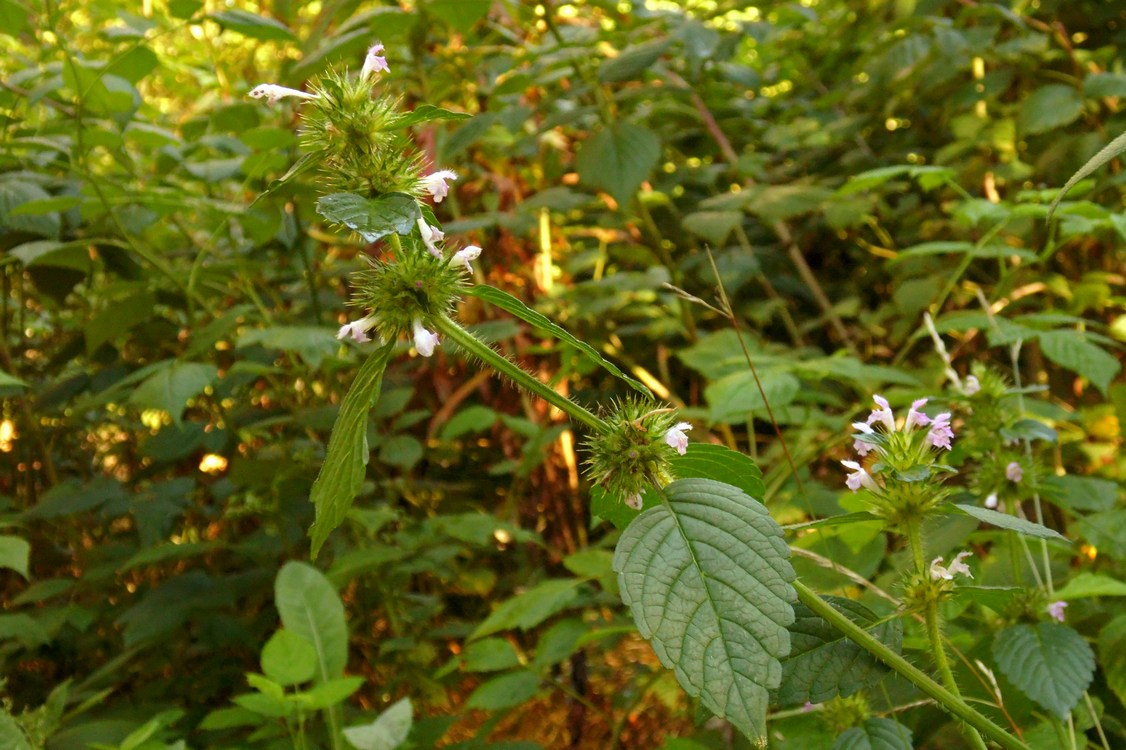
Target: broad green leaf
{"type": "Point", "coordinates": [326, 695]}
{"type": "Point", "coordinates": [1049, 662]}
{"type": "Point", "coordinates": [1112, 655]}
{"type": "Point", "coordinates": [426, 113]}
{"type": "Point", "coordinates": [288, 659]}
{"type": "Point", "coordinates": [618, 159]}
{"type": "Point", "coordinates": [713, 226]}
{"type": "Point", "coordinates": [707, 577]}
{"type": "Point", "coordinates": [14, 194]}
{"type": "Point", "coordinates": [1072, 350]}
{"type": "Point", "coordinates": [253, 25]}
{"type": "Point", "coordinates": [1050, 107]}
{"type": "Point", "coordinates": [505, 691]}
{"type": "Point", "coordinates": [469, 420]}
{"type": "Point", "coordinates": [462, 15]}
{"type": "Point", "coordinates": [1086, 585]}
{"type": "Point", "coordinates": [170, 388]}
{"type": "Point", "coordinates": [387, 732]}
{"type": "Point", "coordinates": [590, 563]}
{"type": "Point", "coordinates": [14, 20]}
{"type": "Point", "coordinates": [310, 608]}
{"type": "Point", "coordinates": [823, 664]}
{"type": "Point", "coordinates": [304, 164]}
{"type": "Point", "coordinates": [14, 554]}
{"type": "Point", "coordinates": [929, 177]}
{"type": "Point", "coordinates": [510, 304]}
{"type": "Point", "coordinates": [1012, 523]}
{"type": "Point", "coordinates": [371, 218]}
{"type": "Point", "coordinates": [632, 61]}
{"type": "Point", "coordinates": [718, 462]}
{"type": "Point", "coordinates": [312, 343]}
{"type": "Point", "coordinates": [342, 473]}
{"type": "Point", "coordinates": [10, 381]}
{"type": "Point", "coordinates": [120, 316]}
{"type": "Point", "coordinates": [1075, 492]}
{"type": "Point", "coordinates": [736, 397]}
{"type": "Point", "coordinates": [11, 736]}
{"type": "Point", "coordinates": [529, 609]}
{"type": "Point", "coordinates": [875, 734]}
{"type": "Point", "coordinates": [489, 655]}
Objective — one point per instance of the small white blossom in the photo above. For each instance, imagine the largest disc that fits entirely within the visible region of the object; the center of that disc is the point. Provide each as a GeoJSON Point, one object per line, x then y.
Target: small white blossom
{"type": "Point", "coordinates": [424, 340]}
{"type": "Point", "coordinates": [858, 478]}
{"type": "Point", "coordinates": [435, 184]}
{"type": "Point", "coordinates": [464, 256]}
{"type": "Point", "coordinates": [991, 501]}
{"type": "Point", "coordinates": [430, 237]}
{"type": "Point", "coordinates": [634, 500]}
{"type": "Point", "coordinates": [883, 415]}
{"type": "Point", "coordinates": [972, 385]}
{"type": "Point", "coordinates": [1013, 472]}
{"type": "Point", "coordinates": [1055, 610]}
{"type": "Point", "coordinates": [860, 446]}
{"type": "Point", "coordinates": [676, 438]}
{"type": "Point", "coordinates": [374, 62]}
{"type": "Point", "coordinates": [357, 330]}
{"type": "Point", "coordinates": [957, 567]}
{"type": "Point", "coordinates": [273, 92]}
{"type": "Point", "coordinates": [916, 418]}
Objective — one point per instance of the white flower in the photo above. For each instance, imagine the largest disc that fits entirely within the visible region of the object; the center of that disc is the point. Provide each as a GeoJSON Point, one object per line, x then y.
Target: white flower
{"type": "Point", "coordinates": [972, 385]}
{"type": "Point", "coordinates": [1055, 610]}
{"type": "Point", "coordinates": [357, 329]}
{"type": "Point", "coordinates": [883, 415]}
{"type": "Point", "coordinates": [991, 501]}
{"type": "Point", "coordinates": [957, 567]}
{"type": "Point", "coordinates": [1013, 472]}
{"type": "Point", "coordinates": [916, 418]}
{"type": "Point", "coordinates": [424, 340]}
{"type": "Point", "coordinates": [860, 446]}
{"type": "Point", "coordinates": [858, 478]}
{"type": "Point", "coordinates": [273, 92]}
{"type": "Point", "coordinates": [430, 237]}
{"type": "Point", "coordinates": [634, 501]}
{"type": "Point", "coordinates": [435, 184]}
{"type": "Point", "coordinates": [676, 438]}
{"type": "Point", "coordinates": [374, 62]}
{"type": "Point", "coordinates": [464, 256]}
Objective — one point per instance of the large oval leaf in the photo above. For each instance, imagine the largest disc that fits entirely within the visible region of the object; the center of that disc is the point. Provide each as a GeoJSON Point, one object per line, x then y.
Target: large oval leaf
{"type": "Point", "coordinates": [1049, 662]}
{"type": "Point", "coordinates": [310, 607]}
{"type": "Point", "coordinates": [707, 577]}
{"type": "Point", "coordinates": [875, 734]}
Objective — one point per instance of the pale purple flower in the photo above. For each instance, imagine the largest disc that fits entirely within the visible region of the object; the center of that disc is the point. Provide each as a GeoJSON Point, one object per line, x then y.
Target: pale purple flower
{"type": "Point", "coordinates": [273, 92]}
{"type": "Point", "coordinates": [971, 386]}
{"type": "Point", "coordinates": [957, 567]}
{"type": "Point", "coordinates": [431, 236]}
{"type": "Point", "coordinates": [883, 415]}
{"type": "Point", "coordinates": [858, 478]}
{"type": "Point", "coordinates": [1055, 610]}
{"type": "Point", "coordinates": [374, 62]}
{"type": "Point", "coordinates": [634, 500]}
{"type": "Point", "coordinates": [424, 340]}
{"type": "Point", "coordinates": [940, 433]}
{"type": "Point", "coordinates": [357, 330]}
{"type": "Point", "coordinates": [1013, 472]}
{"type": "Point", "coordinates": [991, 501]}
{"type": "Point", "coordinates": [916, 418]}
{"type": "Point", "coordinates": [435, 184]}
{"type": "Point", "coordinates": [464, 256]}
{"type": "Point", "coordinates": [860, 446]}
{"type": "Point", "coordinates": [676, 438]}
{"type": "Point", "coordinates": [807, 707]}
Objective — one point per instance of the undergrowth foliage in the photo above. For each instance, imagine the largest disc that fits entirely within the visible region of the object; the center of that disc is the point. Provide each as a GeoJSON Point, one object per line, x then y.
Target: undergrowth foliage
{"type": "Point", "coordinates": [743, 248]}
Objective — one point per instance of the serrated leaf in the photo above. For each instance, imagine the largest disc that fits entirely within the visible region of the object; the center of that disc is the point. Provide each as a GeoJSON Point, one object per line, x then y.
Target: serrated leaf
{"type": "Point", "coordinates": [875, 734]}
{"type": "Point", "coordinates": [288, 659]}
{"type": "Point", "coordinates": [387, 732]}
{"type": "Point", "coordinates": [1081, 493]}
{"type": "Point", "coordinates": [510, 304]}
{"type": "Point", "coordinates": [1049, 662]}
{"type": "Point", "coordinates": [1050, 107]}
{"type": "Point", "coordinates": [618, 159]}
{"type": "Point", "coordinates": [823, 663]}
{"type": "Point", "coordinates": [707, 577]}
{"type": "Point", "coordinates": [310, 608]}
{"type": "Point", "coordinates": [426, 113]}
{"type": "Point", "coordinates": [735, 397]}
{"type": "Point", "coordinates": [252, 25]}
{"type": "Point", "coordinates": [1012, 523]}
{"type": "Point", "coordinates": [171, 388]}
{"type": "Point", "coordinates": [1072, 350]}
{"type": "Point", "coordinates": [371, 218]}
{"type": "Point", "coordinates": [342, 473]}
{"type": "Point", "coordinates": [529, 609]}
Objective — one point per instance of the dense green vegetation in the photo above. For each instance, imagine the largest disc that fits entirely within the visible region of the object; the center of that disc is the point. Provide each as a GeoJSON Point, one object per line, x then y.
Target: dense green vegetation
{"type": "Point", "coordinates": [764, 216]}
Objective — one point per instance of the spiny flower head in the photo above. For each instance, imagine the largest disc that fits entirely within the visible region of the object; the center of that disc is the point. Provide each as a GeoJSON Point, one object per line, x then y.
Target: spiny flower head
{"type": "Point", "coordinates": [635, 451]}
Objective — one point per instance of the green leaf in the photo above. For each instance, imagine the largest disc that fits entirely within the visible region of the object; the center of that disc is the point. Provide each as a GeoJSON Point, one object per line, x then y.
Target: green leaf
{"type": "Point", "coordinates": [736, 397]}
{"type": "Point", "coordinates": [172, 387]}
{"type": "Point", "coordinates": [823, 664]}
{"type": "Point", "coordinates": [1087, 585]}
{"type": "Point", "coordinates": [342, 473]}
{"type": "Point", "coordinates": [505, 691]}
{"type": "Point", "coordinates": [590, 563]}
{"type": "Point", "coordinates": [1072, 350]}
{"type": "Point", "coordinates": [371, 218]}
{"type": "Point", "coordinates": [14, 20]}
{"type": "Point", "coordinates": [1012, 523]}
{"type": "Point", "coordinates": [707, 577]}
{"type": "Point", "coordinates": [489, 655]}
{"type": "Point", "coordinates": [875, 734]}
{"type": "Point", "coordinates": [1049, 662]}
{"type": "Point", "coordinates": [311, 609]}
{"type": "Point", "coordinates": [11, 381]}
{"type": "Point", "coordinates": [425, 113]}
{"type": "Point", "coordinates": [387, 732]}
{"type": "Point", "coordinates": [713, 226]}
{"type": "Point", "coordinates": [120, 316]}
{"type": "Point", "coordinates": [529, 609]}
{"type": "Point", "coordinates": [328, 694]}
{"type": "Point", "coordinates": [618, 159]}
{"type": "Point", "coordinates": [253, 25]}
{"type": "Point", "coordinates": [312, 343]}
{"type": "Point", "coordinates": [1104, 84]}
{"type": "Point", "coordinates": [510, 304]}
{"type": "Point", "coordinates": [11, 736]}
{"type": "Point", "coordinates": [1050, 107]}
{"type": "Point", "coordinates": [632, 61]}
{"type": "Point", "coordinates": [288, 659]}
{"type": "Point", "coordinates": [1080, 493]}
{"type": "Point", "coordinates": [718, 462]}
{"type": "Point", "coordinates": [14, 194]}
{"type": "Point", "coordinates": [1112, 655]}
{"type": "Point", "coordinates": [1096, 162]}
{"type": "Point", "coordinates": [462, 15]}
{"type": "Point", "coordinates": [14, 554]}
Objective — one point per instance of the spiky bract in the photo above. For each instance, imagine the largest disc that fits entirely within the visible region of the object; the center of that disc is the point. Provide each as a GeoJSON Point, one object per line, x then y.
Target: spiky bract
{"type": "Point", "coordinates": [414, 285]}
{"type": "Point", "coordinates": [632, 453]}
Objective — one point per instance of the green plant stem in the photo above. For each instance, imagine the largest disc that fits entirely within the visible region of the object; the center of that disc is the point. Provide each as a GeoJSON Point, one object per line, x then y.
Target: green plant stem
{"type": "Point", "coordinates": [950, 702]}
{"type": "Point", "coordinates": [513, 372]}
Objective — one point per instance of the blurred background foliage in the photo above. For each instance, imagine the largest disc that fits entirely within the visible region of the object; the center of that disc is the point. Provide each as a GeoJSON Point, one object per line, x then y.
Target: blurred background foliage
{"type": "Point", "coordinates": [170, 370]}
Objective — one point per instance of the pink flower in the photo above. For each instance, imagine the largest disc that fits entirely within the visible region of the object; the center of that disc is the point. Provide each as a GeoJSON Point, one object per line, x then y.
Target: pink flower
{"type": "Point", "coordinates": [431, 236]}
{"type": "Point", "coordinates": [634, 500]}
{"type": "Point", "coordinates": [676, 438]}
{"type": "Point", "coordinates": [957, 567]}
{"type": "Point", "coordinates": [860, 446]}
{"type": "Point", "coordinates": [1055, 610]}
{"type": "Point", "coordinates": [424, 340]}
{"type": "Point", "coordinates": [273, 92]}
{"type": "Point", "coordinates": [374, 62]}
{"type": "Point", "coordinates": [858, 478]}
{"type": "Point", "coordinates": [883, 415]}
{"type": "Point", "coordinates": [435, 184]}
{"type": "Point", "coordinates": [357, 329]}
{"type": "Point", "coordinates": [940, 433]}
{"type": "Point", "coordinates": [1013, 472]}
{"type": "Point", "coordinates": [916, 418]}
{"type": "Point", "coordinates": [464, 256]}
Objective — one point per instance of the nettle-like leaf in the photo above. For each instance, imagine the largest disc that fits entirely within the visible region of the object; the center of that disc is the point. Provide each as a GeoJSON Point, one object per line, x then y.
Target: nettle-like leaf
{"type": "Point", "coordinates": [371, 218]}
{"type": "Point", "coordinates": [1049, 662]}
{"type": "Point", "coordinates": [1012, 523]}
{"type": "Point", "coordinates": [824, 664]}
{"type": "Point", "coordinates": [618, 159]}
{"type": "Point", "coordinates": [707, 577]}
{"type": "Point", "coordinates": [875, 734]}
